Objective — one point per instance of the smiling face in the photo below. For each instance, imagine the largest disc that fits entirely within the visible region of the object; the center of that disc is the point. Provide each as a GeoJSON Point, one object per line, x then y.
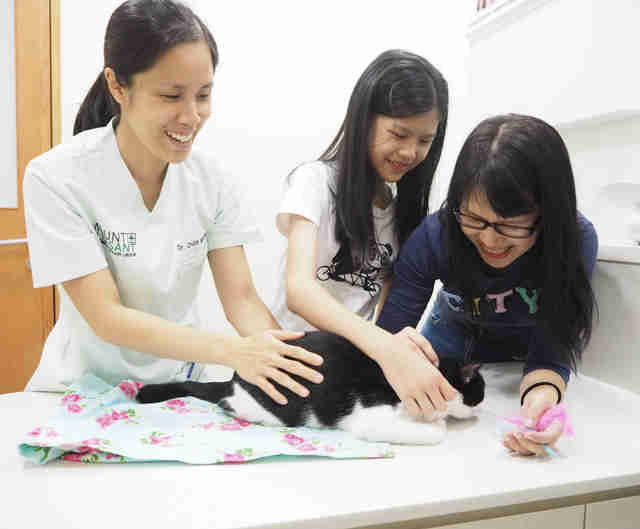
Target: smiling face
{"type": "Point", "coordinates": [397, 145]}
{"type": "Point", "coordinates": [495, 249]}
{"type": "Point", "coordinates": [164, 108]}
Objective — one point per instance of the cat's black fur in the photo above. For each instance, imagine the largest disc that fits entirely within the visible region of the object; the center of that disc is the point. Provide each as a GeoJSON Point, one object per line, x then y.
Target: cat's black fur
{"type": "Point", "coordinates": [349, 377]}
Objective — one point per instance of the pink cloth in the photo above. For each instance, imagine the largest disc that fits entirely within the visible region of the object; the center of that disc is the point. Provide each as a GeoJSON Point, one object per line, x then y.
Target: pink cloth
{"type": "Point", "coordinates": [558, 412]}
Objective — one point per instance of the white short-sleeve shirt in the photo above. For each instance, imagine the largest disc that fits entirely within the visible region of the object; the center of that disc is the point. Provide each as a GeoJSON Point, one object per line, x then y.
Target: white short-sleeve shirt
{"type": "Point", "coordinates": [84, 212]}
{"type": "Point", "coordinates": [309, 193]}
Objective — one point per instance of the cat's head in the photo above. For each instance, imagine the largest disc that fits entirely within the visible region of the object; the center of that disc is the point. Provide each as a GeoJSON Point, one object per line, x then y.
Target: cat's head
{"type": "Point", "coordinates": [466, 378]}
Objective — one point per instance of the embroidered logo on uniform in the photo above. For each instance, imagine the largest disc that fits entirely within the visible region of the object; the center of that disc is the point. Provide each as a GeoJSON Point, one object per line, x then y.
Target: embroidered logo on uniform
{"type": "Point", "coordinates": [120, 243]}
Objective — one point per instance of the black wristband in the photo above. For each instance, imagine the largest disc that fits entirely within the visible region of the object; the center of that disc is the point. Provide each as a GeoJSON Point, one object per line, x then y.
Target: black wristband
{"type": "Point", "coordinates": [541, 384]}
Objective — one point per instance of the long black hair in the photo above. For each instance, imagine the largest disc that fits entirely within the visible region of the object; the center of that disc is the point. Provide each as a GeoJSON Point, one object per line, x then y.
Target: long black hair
{"type": "Point", "coordinates": [520, 165]}
{"type": "Point", "coordinates": [139, 32]}
{"type": "Point", "coordinates": [396, 84]}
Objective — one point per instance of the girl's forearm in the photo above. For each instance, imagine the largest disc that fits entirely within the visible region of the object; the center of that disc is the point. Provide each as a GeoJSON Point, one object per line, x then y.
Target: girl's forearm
{"type": "Point", "coordinates": [249, 315]}
{"type": "Point", "coordinates": [313, 303]}
{"type": "Point", "coordinates": [154, 335]}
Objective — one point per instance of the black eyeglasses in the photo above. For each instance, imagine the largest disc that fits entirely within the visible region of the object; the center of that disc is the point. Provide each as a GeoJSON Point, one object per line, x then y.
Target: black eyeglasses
{"type": "Point", "coordinates": [508, 230]}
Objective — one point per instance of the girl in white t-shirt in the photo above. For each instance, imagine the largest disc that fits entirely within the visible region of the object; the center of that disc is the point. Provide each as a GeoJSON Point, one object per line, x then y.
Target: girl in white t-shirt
{"type": "Point", "coordinates": [346, 215]}
{"type": "Point", "coordinates": [125, 215]}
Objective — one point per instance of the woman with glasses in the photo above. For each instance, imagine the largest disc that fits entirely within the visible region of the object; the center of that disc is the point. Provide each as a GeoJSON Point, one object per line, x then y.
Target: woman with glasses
{"type": "Point", "coordinates": [515, 258]}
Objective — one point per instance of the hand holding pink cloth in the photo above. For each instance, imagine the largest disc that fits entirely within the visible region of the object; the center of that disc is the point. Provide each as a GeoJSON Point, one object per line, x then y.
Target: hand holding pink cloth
{"type": "Point", "coordinates": [557, 412]}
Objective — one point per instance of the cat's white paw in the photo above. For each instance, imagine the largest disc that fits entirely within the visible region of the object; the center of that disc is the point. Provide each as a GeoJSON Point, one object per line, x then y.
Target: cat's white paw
{"type": "Point", "coordinates": [457, 409]}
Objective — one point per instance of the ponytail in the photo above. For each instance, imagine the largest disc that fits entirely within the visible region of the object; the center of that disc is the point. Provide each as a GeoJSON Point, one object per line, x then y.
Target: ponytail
{"type": "Point", "coordinates": [97, 109]}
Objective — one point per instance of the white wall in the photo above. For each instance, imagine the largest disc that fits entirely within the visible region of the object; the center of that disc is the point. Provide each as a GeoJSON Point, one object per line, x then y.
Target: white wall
{"type": "Point", "coordinates": [602, 155]}
{"type": "Point", "coordinates": [286, 72]}
{"type": "Point", "coordinates": [8, 152]}
{"type": "Point", "coordinates": [560, 60]}
{"type": "Point", "coordinates": [569, 63]}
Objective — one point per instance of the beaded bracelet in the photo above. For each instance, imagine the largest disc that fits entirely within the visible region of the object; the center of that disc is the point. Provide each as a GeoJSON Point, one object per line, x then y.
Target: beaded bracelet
{"type": "Point", "coordinates": [541, 384]}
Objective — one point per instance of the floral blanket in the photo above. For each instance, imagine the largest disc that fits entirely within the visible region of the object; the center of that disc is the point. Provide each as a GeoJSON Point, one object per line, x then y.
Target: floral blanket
{"type": "Point", "coordinates": [99, 423]}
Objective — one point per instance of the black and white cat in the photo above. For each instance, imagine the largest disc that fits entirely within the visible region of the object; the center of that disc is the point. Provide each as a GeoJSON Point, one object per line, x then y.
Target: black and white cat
{"type": "Point", "coordinates": [354, 396]}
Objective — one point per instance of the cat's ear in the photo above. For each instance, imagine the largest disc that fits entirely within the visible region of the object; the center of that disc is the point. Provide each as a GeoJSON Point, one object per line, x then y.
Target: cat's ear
{"type": "Point", "coordinates": [469, 371]}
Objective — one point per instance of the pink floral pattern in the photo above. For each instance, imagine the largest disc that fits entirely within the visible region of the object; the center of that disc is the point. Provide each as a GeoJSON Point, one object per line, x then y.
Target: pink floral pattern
{"type": "Point", "coordinates": [72, 456]}
{"type": "Point", "coordinates": [130, 388]}
{"type": "Point", "coordinates": [91, 455]}
{"type": "Point", "coordinates": [304, 445]}
{"type": "Point", "coordinates": [157, 438]}
{"type": "Point", "coordinates": [293, 440]}
{"type": "Point", "coordinates": [114, 424]}
{"type": "Point", "coordinates": [108, 419]}
{"type": "Point", "coordinates": [180, 406]}
{"type": "Point", "coordinates": [73, 402]}
{"type": "Point", "coordinates": [82, 454]}
{"type": "Point", "coordinates": [206, 426]}
{"type": "Point", "coordinates": [94, 442]}
{"type": "Point", "coordinates": [50, 432]}
{"type": "Point", "coordinates": [177, 405]}
{"type": "Point", "coordinates": [234, 424]}
{"type": "Point", "coordinates": [239, 456]}
{"type": "Point", "coordinates": [234, 458]}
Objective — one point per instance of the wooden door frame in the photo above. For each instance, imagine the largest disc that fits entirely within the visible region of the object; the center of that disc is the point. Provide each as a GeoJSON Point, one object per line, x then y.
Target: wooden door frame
{"type": "Point", "coordinates": [37, 69]}
{"type": "Point", "coordinates": [56, 100]}
{"type": "Point", "coordinates": [28, 313]}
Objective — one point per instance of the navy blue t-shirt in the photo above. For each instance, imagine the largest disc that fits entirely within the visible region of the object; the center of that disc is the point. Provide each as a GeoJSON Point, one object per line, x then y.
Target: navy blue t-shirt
{"type": "Point", "coordinates": [506, 308]}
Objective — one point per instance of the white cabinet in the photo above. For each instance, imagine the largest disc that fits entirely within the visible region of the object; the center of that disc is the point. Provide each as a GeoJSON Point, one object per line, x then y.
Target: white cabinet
{"type": "Point", "coordinates": [612, 354]}
{"type": "Point", "coordinates": [623, 513]}
{"type": "Point", "coordinates": [565, 518]}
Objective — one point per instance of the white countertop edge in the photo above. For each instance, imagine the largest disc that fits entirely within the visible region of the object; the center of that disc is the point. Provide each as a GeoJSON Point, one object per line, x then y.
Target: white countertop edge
{"type": "Point", "coordinates": [619, 251]}
{"type": "Point", "coordinates": [426, 511]}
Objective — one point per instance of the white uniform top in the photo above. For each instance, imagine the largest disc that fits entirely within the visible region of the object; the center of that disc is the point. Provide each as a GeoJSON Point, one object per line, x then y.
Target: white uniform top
{"type": "Point", "coordinates": [84, 212]}
{"type": "Point", "coordinates": [308, 193]}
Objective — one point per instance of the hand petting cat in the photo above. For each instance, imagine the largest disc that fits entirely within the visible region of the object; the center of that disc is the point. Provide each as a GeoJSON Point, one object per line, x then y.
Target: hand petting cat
{"type": "Point", "coordinates": [266, 359]}
{"type": "Point", "coordinates": [421, 342]}
{"type": "Point", "coordinates": [418, 383]}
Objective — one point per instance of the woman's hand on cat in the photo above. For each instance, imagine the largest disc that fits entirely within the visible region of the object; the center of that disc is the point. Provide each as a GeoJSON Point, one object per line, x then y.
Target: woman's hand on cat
{"type": "Point", "coordinates": [421, 343]}
{"type": "Point", "coordinates": [419, 384]}
{"type": "Point", "coordinates": [264, 358]}
{"type": "Point", "coordinates": [537, 401]}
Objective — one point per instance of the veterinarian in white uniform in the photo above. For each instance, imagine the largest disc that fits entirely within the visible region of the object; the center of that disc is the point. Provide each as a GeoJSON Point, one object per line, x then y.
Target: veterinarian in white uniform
{"type": "Point", "coordinates": [85, 213]}
{"type": "Point", "coordinates": [124, 216]}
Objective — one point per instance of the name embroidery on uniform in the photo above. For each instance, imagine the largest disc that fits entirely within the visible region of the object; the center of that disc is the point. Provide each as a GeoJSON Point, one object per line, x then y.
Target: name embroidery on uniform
{"type": "Point", "coordinates": [190, 244]}
{"type": "Point", "coordinates": [120, 243]}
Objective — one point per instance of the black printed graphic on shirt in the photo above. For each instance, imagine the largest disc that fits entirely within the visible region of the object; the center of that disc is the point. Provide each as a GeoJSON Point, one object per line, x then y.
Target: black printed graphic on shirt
{"type": "Point", "coordinates": [369, 277]}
